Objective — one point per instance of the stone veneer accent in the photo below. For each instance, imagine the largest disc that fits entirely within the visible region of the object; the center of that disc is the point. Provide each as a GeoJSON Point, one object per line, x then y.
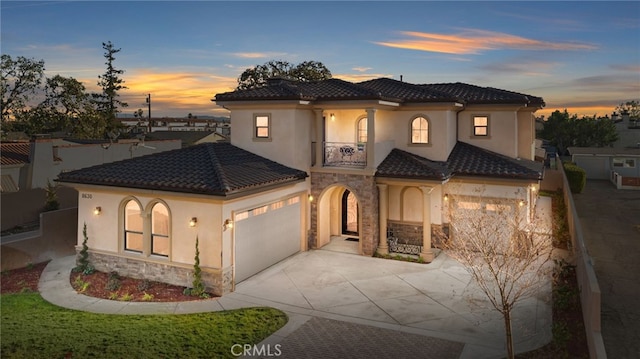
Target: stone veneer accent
{"type": "Point", "coordinates": [365, 190]}
{"type": "Point", "coordinates": [216, 281]}
{"type": "Point", "coordinates": [411, 233]}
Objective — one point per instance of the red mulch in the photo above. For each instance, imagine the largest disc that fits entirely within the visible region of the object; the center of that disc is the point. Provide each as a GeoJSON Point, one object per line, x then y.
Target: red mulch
{"type": "Point", "coordinates": [160, 292]}
{"type": "Point", "coordinates": [22, 279]}
{"type": "Point", "coordinates": [26, 280]}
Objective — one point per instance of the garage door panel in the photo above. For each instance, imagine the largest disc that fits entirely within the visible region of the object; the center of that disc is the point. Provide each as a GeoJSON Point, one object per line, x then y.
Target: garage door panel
{"type": "Point", "coordinates": [264, 239]}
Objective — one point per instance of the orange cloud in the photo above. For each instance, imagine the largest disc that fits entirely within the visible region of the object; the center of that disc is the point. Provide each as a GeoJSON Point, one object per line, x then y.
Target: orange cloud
{"type": "Point", "coordinates": [473, 41]}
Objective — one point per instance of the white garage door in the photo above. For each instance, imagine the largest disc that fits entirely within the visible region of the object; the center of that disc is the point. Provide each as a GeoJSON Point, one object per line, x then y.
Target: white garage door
{"type": "Point", "coordinates": [265, 236]}
{"type": "Point", "coordinates": [596, 167]}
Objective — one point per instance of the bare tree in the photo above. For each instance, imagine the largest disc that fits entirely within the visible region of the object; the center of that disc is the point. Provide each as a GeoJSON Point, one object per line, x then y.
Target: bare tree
{"type": "Point", "coordinates": [501, 246]}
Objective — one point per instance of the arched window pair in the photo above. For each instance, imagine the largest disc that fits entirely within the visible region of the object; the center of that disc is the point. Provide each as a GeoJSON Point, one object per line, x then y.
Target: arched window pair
{"type": "Point", "coordinates": [136, 240]}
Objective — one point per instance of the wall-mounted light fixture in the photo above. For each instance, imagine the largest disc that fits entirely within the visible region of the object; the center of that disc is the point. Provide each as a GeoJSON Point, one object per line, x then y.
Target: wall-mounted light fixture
{"type": "Point", "coordinates": [193, 221]}
{"type": "Point", "coordinates": [332, 117]}
{"type": "Point", "coordinates": [310, 197]}
{"type": "Point", "coordinates": [97, 210]}
{"type": "Point", "coordinates": [446, 197]}
{"type": "Point", "coordinates": [521, 203]}
{"type": "Point", "coordinates": [533, 188]}
{"type": "Point", "coordinates": [228, 224]}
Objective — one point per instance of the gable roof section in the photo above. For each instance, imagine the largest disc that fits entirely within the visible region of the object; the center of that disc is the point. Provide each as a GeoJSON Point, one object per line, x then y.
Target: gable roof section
{"type": "Point", "coordinates": [219, 169]}
{"type": "Point", "coordinates": [402, 164]}
{"type": "Point", "coordinates": [385, 89]}
{"type": "Point", "coordinates": [469, 160]}
{"type": "Point", "coordinates": [15, 153]}
{"type": "Point", "coordinates": [464, 160]}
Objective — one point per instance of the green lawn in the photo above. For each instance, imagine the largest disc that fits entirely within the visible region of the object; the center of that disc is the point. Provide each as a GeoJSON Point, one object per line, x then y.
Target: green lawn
{"type": "Point", "coordinates": [34, 328]}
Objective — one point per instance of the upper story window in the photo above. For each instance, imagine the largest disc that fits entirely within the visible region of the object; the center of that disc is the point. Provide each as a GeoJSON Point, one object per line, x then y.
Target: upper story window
{"type": "Point", "coordinates": [160, 230]}
{"type": "Point", "coordinates": [420, 130]}
{"type": "Point", "coordinates": [133, 236]}
{"type": "Point", "coordinates": [481, 126]}
{"type": "Point", "coordinates": [262, 126]}
{"type": "Point", "coordinates": [362, 130]}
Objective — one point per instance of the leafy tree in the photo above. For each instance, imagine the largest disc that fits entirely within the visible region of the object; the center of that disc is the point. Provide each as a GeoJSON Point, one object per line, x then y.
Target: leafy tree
{"type": "Point", "coordinates": [20, 80]}
{"type": "Point", "coordinates": [564, 130]}
{"type": "Point", "coordinates": [107, 102]}
{"type": "Point", "coordinates": [306, 71]}
{"type": "Point", "coordinates": [507, 256]}
{"type": "Point", "coordinates": [630, 107]}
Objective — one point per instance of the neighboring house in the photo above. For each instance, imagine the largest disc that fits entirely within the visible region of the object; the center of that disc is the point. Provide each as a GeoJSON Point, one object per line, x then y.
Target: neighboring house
{"type": "Point", "coordinates": [323, 159]}
{"type": "Point", "coordinates": [27, 167]}
{"type": "Point", "coordinates": [188, 138]}
{"type": "Point", "coordinates": [628, 130]}
{"type": "Point", "coordinates": [619, 165]}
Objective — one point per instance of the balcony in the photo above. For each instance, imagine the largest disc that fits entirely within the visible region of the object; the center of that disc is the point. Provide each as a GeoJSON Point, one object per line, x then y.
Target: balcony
{"type": "Point", "coordinates": [345, 154]}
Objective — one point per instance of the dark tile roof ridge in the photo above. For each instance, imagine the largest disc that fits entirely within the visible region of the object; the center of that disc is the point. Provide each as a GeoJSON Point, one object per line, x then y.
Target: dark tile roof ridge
{"type": "Point", "coordinates": [13, 153]}
{"type": "Point", "coordinates": [517, 96]}
{"type": "Point", "coordinates": [416, 88]}
{"type": "Point", "coordinates": [218, 169]}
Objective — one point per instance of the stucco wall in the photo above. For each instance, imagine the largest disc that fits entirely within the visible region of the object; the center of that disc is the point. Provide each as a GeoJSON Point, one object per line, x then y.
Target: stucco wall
{"type": "Point", "coordinates": [290, 142]}
{"type": "Point", "coordinates": [502, 137]}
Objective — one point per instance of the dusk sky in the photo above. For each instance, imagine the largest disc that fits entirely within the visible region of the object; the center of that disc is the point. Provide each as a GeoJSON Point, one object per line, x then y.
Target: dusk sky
{"type": "Point", "coordinates": [582, 56]}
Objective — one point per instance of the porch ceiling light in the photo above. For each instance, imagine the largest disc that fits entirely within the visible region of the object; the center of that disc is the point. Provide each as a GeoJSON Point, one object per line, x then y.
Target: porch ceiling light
{"type": "Point", "coordinates": [193, 222]}
{"type": "Point", "coordinates": [228, 224]}
{"type": "Point", "coordinates": [97, 210]}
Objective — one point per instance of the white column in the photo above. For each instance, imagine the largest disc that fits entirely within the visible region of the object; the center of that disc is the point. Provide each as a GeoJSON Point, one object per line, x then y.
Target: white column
{"type": "Point", "coordinates": [383, 213]}
{"type": "Point", "coordinates": [371, 137]}
{"type": "Point", "coordinates": [319, 136]}
{"type": "Point", "coordinates": [426, 254]}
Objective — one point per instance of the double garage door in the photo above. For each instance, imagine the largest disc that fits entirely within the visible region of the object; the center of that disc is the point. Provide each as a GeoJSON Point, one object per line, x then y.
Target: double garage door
{"type": "Point", "coordinates": [266, 235]}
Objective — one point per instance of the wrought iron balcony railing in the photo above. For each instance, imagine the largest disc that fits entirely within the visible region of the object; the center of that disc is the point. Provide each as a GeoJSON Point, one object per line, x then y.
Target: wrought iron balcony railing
{"type": "Point", "coordinates": [345, 154]}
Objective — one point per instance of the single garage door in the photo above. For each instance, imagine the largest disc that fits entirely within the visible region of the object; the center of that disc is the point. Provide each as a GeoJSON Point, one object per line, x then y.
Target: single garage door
{"type": "Point", "coordinates": [266, 235]}
{"type": "Point", "coordinates": [597, 167]}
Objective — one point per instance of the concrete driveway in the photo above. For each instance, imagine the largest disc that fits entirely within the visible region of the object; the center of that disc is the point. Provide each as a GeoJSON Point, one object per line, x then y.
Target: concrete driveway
{"type": "Point", "coordinates": [436, 300]}
{"type": "Point", "coordinates": [610, 221]}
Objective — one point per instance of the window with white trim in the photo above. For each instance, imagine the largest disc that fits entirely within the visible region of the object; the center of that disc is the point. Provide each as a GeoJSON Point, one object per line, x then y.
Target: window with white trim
{"type": "Point", "coordinates": [624, 162]}
{"type": "Point", "coordinates": [160, 230]}
{"type": "Point", "coordinates": [133, 227]}
{"type": "Point", "coordinates": [481, 126]}
{"type": "Point", "coordinates": [420, 130]}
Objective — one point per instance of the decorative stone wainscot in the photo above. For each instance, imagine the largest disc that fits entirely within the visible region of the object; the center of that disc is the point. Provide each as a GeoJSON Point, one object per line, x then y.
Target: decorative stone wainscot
{"type": "Point", "coordinates": [216, 281]}
{"type": "Point", "coordinates": [411, 233]}
{"type": "Point", "coordinates": [365, 190]}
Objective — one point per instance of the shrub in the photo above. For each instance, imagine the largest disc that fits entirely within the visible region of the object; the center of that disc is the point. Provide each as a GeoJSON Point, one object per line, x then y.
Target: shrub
{"type": "Point", "coordinates": [144, 285]}
{"type": "Point", "coordinates": [51, 204]}
{"type": "Point", "coordinates": [126, 297]}
{"type": "Point", "coordinates": [198, 287]}
{"type": "Point", "coordinates": [84, 266]}
{"type": "Point", "coordinates": [147, 297]}
{"type": "Point", "coordinates": [113, 282]}
{"type": "Point", "coordinates": [576, 176]}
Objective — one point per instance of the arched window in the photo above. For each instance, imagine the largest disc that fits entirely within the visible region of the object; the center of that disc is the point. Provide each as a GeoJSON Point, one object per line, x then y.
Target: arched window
{"type": "Point", "coordinates": [133, 227]}
{"type": "Point", "coordinates": [362, 130]}
{"type": "Point", "coordinates": [160, 230]}
{"type": "Point", "coordinates": [420, 130]}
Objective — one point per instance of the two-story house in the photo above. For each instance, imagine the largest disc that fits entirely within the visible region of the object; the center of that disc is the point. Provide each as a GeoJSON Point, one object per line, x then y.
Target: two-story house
{"type": "Point", "coordinates": [308, 163]}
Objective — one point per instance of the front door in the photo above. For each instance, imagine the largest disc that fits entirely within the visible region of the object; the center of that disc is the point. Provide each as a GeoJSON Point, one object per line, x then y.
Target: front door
{"type": "Point", "coordinates": [349, 214]}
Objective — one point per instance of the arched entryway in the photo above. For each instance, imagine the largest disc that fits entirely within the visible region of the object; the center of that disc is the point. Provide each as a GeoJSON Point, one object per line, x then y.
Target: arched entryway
{"type": "Point", "coordinates": [339, 222]}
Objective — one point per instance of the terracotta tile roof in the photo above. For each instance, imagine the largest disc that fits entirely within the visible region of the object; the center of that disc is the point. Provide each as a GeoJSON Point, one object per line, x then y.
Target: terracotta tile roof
{"type": "Point", "coordinates": [15, 153]}
{"type": "Point", "coordinates": [377, 89]}
{"type": "Point", "coordinates": [469, 160]}
{"type": "Point", "coordinates": [464, 160]}
{"type": "Point", "coordinates": [402, 164]}
{"type": "Point", "coordinates": [219, 169]}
